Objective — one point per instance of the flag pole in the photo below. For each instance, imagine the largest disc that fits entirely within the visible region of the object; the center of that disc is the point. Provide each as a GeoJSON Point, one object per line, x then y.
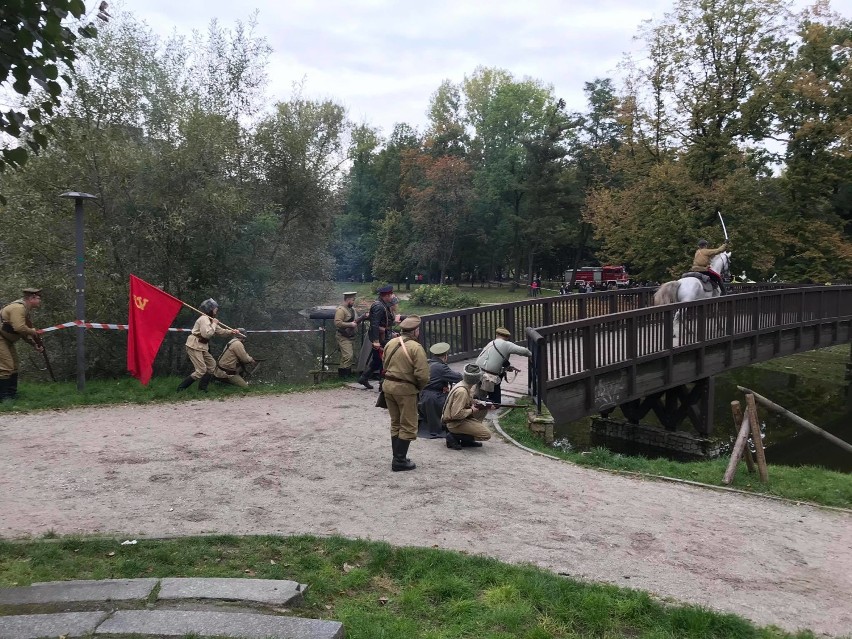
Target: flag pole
{"type": "Point", "coordinates": [222, 324]}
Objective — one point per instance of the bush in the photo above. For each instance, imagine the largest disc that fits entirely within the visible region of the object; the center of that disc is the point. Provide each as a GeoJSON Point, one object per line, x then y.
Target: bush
{"type": "Point", "coordinates": [443, 296]}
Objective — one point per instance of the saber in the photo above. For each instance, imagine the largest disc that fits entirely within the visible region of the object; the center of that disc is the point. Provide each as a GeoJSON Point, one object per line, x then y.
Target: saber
{"type": "Point", "coordinates": [724, 230]}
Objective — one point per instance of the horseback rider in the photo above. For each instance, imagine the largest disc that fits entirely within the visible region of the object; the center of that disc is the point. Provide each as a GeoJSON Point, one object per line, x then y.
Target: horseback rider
{"type": "Point", "coordinates": [701, 262]}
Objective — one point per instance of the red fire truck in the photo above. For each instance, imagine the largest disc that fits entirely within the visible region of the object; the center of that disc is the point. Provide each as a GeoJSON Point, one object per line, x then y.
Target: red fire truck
{"type": "Point", "coordinates": [601, 277]}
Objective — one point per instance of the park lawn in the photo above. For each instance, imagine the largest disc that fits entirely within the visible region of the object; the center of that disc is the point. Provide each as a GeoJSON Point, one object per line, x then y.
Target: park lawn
{"type": "Point", "coordinates": [800, 483]}
{"type": "Point", "coordinates": [377, 590]}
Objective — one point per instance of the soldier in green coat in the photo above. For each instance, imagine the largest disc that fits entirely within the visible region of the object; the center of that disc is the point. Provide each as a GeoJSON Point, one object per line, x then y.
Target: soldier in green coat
{"type": "Point", "coordinates": [15, 324]}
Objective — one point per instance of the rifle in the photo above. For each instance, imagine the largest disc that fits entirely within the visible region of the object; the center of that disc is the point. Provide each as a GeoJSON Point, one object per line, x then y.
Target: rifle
{"type": "Point", "coordinates": [489, 405]}
{"type": "Point", "coordinates": [39, 344]}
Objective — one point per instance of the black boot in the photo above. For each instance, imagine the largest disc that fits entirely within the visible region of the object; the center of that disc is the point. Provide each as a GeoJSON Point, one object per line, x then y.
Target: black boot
{"type": "Point", "coordinates": [12, 391]}
{"type": "Point", "coordinates": [4, 390]}
{"type": "Point", "coordinates": [452, 442]}
{"type": "Point", "coordinates": [344, 373]}
{"type": "Point", "coordinates": [204, 381]}
{"type": "Point", "coordinates": [400, 461]}
{"type": "Point", "coordinates": [186, 383]}
{"type": "Point", "coordinates": [467, 441]}
{"type": "Point", "coordinates": [364, 380]}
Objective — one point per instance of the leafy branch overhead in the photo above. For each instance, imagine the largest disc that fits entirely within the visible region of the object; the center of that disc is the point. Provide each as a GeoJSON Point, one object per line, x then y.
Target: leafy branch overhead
{"type": "Point", "coordinates": [38, 44]}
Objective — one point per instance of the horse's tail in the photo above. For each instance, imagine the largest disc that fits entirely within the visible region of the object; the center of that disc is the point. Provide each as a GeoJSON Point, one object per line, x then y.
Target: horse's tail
{"type": "Point", "coordinates": [667, 293]}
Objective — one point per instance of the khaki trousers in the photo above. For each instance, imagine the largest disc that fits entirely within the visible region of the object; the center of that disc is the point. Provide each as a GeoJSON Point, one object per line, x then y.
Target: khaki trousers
{"type": "Point", "coordinates": [347, 350]}
{"type": "Point", "coordinates": [236, 380]}
{"type": "Point", "coordinates": [403, 413]}
{"type": "Point", "coordinates": [477, 429]}
{"type": "Point", "coordinates": [202, 361]}
{"type": "Point", "coordinates": [8, 359]}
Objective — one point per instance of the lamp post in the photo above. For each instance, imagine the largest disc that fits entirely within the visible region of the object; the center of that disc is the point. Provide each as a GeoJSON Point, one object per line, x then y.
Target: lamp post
{"type": "Point", "coordinates": [80, 284]}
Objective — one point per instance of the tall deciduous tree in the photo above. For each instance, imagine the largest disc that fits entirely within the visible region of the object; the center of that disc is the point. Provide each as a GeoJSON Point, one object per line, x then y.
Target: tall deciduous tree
{"type": "Point", "coordinates": [38, 45]}
{"type": "Point", "coordinates": [439, 196]}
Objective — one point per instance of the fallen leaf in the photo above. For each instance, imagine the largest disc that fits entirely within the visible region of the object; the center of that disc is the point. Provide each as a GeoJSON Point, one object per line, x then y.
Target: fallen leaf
{"type": "Point", "coordinates": [272, 562]}
{"type": "Point", "coordinates": [250, 573]}
{"type": "Point", "coordinates": [347, 568]}
{"type": "Point", "coordinates": [327, 607]}
{"type": "Point", "coordinates": [111, 554]}
{"type": "Point", "coordinates": [383, 601]}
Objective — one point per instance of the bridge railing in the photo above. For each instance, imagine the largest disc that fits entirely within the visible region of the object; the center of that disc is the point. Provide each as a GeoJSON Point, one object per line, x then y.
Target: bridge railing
{"type": "Point", "coordinates": [468, 330]}
{"type": "Point", "coordinates": [586, 348]}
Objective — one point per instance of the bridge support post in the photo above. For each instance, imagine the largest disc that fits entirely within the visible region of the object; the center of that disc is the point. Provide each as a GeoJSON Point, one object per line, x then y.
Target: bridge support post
{"type": "Point", "coordinates": [674, 405]}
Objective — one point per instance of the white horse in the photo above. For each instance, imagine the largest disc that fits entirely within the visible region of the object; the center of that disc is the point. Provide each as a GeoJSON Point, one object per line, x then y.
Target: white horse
{"type": "Point", "coordinates": [688, 289]}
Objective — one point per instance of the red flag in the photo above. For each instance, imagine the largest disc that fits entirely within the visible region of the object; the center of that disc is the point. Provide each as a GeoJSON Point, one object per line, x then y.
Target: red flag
{"type": "Point", "coordinates": [150, 314]}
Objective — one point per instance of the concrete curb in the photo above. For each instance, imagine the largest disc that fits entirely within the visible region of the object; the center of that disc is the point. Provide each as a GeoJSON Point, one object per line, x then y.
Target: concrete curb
{"type": "Point", "coordinates": [674, 480]}
{"type": "Point", "coordinates": [168, 607]}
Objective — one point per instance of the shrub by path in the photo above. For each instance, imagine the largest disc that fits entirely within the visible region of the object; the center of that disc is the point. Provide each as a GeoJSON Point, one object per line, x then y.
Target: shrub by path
{"type": "Point", "coordinates": [319, 463]}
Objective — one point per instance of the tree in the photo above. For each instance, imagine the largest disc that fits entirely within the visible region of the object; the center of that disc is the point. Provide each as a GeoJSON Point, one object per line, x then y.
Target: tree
{"type": "Point", "coordinates": [36, 47]}
{"type": "Point", "coordinates": [711, 73]}
{"type": "Point", "coordinates": [813, 109]}
{"type": "Point", "coordinates": [440, 195]}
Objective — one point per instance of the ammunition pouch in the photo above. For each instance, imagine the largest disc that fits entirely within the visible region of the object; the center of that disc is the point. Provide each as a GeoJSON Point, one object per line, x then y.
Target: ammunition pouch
{"type": "Point", "coordinates": [203, 340]}
{"type": "Point", "coordinates": [7, 327]}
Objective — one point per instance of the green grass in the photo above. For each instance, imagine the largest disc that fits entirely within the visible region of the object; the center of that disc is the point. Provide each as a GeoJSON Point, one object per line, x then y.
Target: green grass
{"type": "Point", "coordinates": [45, 396]}
{"type": "Point", "coordinates": [826, 365]}
{"type": "Point", "coordinates": [799, 483]}
{"type": "Point", "coordinates": [378, 591]}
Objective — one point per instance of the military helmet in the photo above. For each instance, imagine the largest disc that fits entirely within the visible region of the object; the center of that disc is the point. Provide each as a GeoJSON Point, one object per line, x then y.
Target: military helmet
{"type": "Point", "coordinates": [241, 333]}
{"type": "Point", "coordinates": [472, 374]}
{"type": "Point", "coordinates": [208, 306]}
{"type": "Point", "coordinates": [702, 243]}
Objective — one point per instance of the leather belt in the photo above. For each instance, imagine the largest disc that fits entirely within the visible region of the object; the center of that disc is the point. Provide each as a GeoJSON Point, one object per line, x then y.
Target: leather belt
{"type": "Point", "coordinates": [397, 379]}
{"type": "Point", "coordinates": [203, 340]}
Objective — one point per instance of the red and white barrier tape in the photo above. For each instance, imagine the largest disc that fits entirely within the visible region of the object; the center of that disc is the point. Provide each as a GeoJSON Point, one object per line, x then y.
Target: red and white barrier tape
{"type": "Point", "coordinates": [124, 327]}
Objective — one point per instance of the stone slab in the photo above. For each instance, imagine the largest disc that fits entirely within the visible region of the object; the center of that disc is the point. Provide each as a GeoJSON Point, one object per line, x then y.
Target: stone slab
{"type": "Point", "coordinates": [54, 592]}
{"type": "Point", "coordinates": [62, 624]}
{"type": "Point", "coordinates": [245, 625]}
{"type": "Point", "coordinates": [272, 592]}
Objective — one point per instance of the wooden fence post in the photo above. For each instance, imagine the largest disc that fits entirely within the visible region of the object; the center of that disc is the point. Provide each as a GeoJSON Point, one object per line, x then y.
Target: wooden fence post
{"type": "Point", "coordinates": [739, 446]}
{"type": "Point", "coordinates": [737, 412]}
{"type": "Point", "coordinates": [758, 441]}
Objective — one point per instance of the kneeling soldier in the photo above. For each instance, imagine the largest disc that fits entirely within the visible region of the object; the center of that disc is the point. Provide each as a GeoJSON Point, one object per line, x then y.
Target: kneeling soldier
{"type": "Point", "coordinates": [233, 361]}
{"type": "Point", "coordinates": [433, 397]}
{"type": "Point", "coordinates": [463, 414]}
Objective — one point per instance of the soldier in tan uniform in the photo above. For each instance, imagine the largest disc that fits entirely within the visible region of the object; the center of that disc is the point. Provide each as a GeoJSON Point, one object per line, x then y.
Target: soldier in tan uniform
{"type": "Point", "coordinates": [701, 262]}
{"type": "Point", "coordinates": [233, 361]}
{"type": "Point", "coordinates": [346, 323]}
{"type": "Point", "coordinates": [406, 373]}
{"type": "Point", "coordinates": [198, 345]}
{"type": "Point", "coordinates": [15, 324]}
{"type": "Point", "coordinates": [463, 414]}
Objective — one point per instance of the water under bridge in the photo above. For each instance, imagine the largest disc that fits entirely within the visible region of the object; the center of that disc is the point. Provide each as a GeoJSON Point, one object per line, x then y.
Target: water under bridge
{"type": "Point", "coordinates": [598, 351]}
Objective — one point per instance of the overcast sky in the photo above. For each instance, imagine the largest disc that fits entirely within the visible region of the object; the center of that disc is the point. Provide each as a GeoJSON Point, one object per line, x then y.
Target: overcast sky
{"type": "Point", "coordinates": [383, 59]}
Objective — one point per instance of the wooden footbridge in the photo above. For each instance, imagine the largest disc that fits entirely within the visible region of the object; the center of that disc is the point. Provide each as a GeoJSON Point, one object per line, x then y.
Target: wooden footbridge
{"type": "Point", "coordinates": [595, 352]}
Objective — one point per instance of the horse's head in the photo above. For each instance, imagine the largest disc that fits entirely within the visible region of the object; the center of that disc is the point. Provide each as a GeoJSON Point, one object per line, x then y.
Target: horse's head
{"type": "Point", "coordinates": [721, 263]}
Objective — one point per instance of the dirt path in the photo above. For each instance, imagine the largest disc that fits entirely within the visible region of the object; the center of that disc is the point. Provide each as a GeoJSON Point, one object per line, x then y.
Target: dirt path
{"type": "Point", "coordinates": [320, 463]}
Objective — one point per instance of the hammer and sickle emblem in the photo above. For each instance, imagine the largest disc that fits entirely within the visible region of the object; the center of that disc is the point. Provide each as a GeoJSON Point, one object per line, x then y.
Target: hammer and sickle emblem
{"type": "Point", "coordinates": [140, 302]}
